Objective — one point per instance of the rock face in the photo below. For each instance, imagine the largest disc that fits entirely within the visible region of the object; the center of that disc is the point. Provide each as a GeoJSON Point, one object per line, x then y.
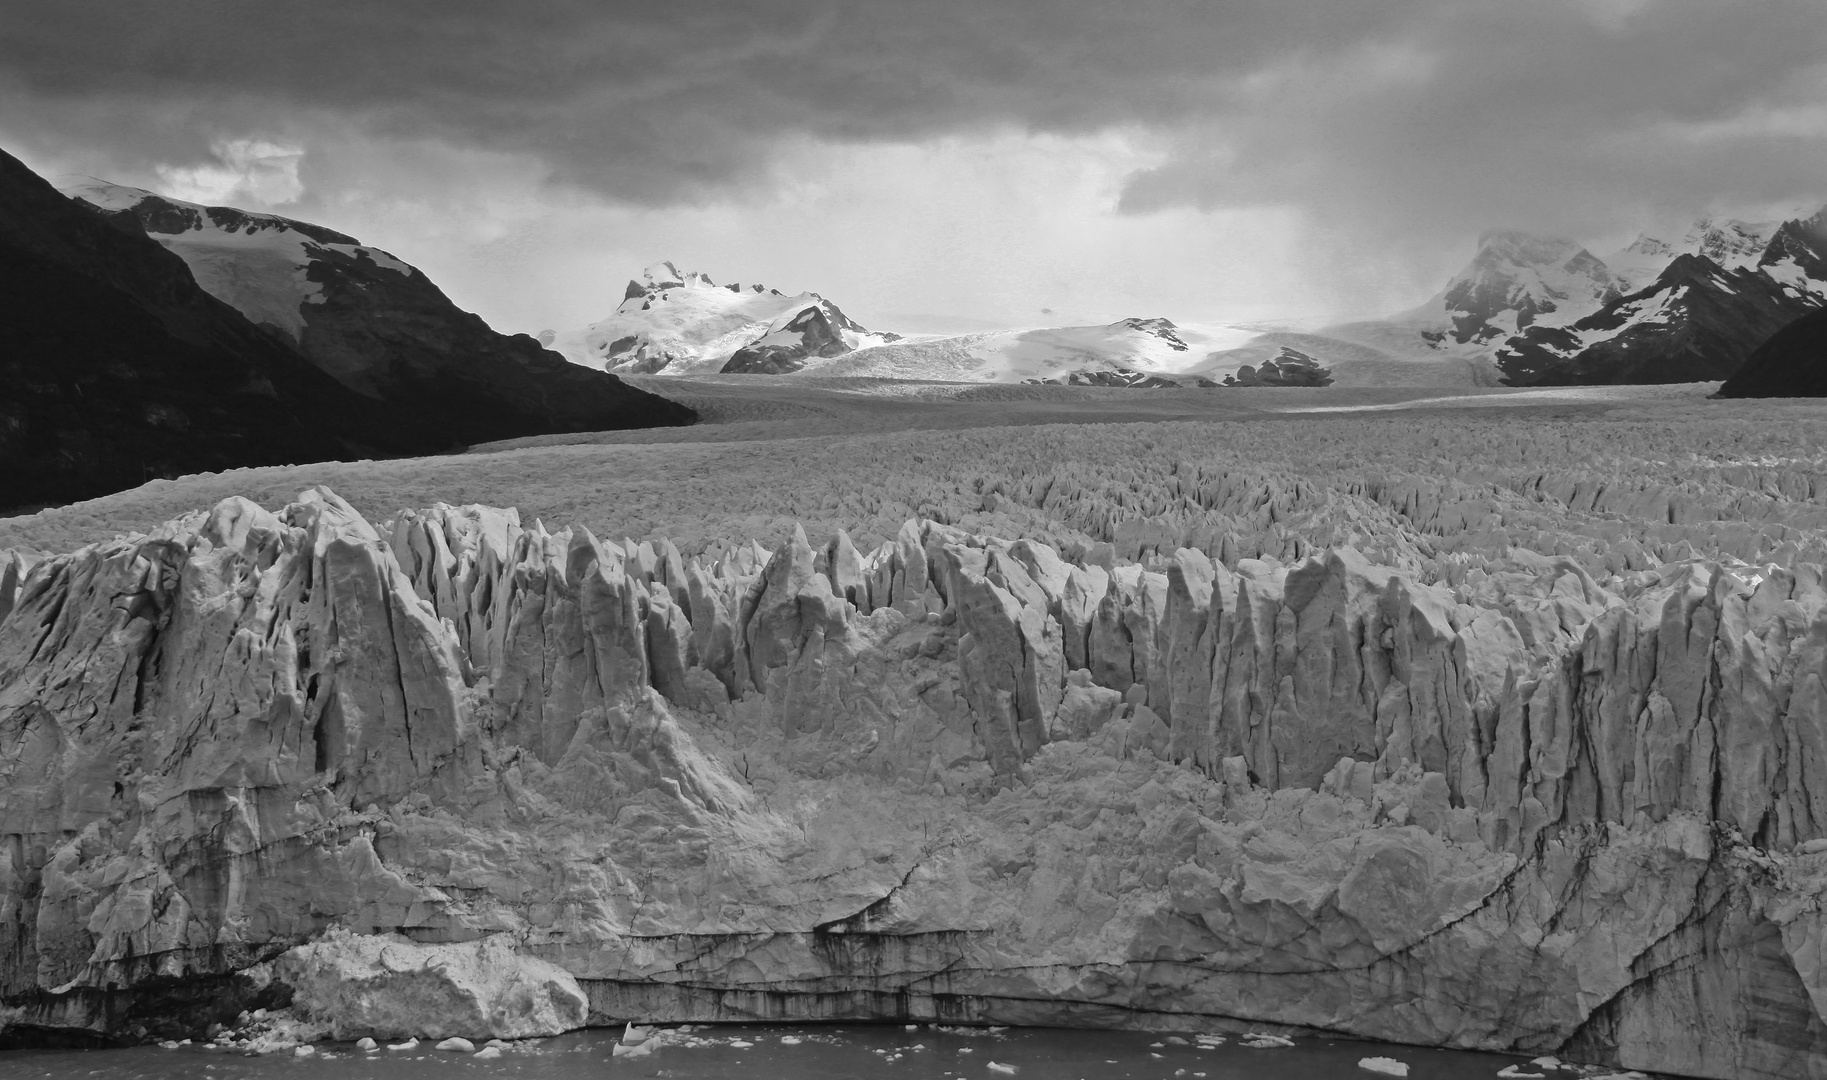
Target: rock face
{"type": "Point", "coordinates": [954, 777]}
{"type": "Point", "coordinates": [381, 327]}
{"type": "Point", "coordinates": [1792, 363]}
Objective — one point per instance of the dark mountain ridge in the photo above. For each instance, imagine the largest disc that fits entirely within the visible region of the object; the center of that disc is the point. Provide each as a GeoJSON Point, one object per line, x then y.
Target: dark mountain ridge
{"type": "Point", "coordinates": [385, 330]}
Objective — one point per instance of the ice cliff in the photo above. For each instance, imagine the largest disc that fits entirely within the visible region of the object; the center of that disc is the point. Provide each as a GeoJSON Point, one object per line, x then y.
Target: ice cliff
{"type": "Point", "coordinates": [954, 777]}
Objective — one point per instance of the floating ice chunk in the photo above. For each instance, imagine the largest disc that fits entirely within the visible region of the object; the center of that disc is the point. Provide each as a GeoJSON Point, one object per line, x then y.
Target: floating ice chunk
{"type": "Point", "coordinates": [741, 1044]}
{"type": "Point", "coordinates": [1547, 1061]}
{"type": "Point", "coordinates": [637, 1050]}
{"type": "Point", "coordinates": [407, 1045]}
{"type": "Point", "coordinates": [790, 1040]}
{"type": "Point", "coordinates": [999, 1067]}
{"type": "Point", "coordinates": [365, 1043]}
{"type": "Point", "coordinates": [489, 1052]}
{"type": "Point", "coordinates": [304, 1051]}
{"type": "Point", "coordinates": [1515, 1072]}
{"type": "Point", "coordinates": [1257, 1040]}
{"type": "Point", "coordinates": [1386, 1066]}
{"type": "Point", "coordinates": [633, 1035]}
{"type": "Point", "coordinates": [457, 1044]}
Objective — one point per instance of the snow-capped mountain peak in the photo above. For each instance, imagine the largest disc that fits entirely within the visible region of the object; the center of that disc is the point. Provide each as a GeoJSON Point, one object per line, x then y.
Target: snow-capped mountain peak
{"type": "Point", "coordinates": [682, 322]}
{"type": "Point", "coordinates": [1729, 241]}
{"type": "Point", "coordinates": [1519, 278]}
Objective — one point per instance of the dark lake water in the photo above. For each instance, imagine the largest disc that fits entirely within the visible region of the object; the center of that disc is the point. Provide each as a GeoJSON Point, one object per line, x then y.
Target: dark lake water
{"type": "Point", "coordinates": [792, 1053]}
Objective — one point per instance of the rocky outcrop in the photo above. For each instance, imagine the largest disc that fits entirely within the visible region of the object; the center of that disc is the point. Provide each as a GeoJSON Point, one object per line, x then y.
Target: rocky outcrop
{"type": "Point", "coordinates": [953, 777]}
{"type": "Point", "coordinates": [1291, 368]}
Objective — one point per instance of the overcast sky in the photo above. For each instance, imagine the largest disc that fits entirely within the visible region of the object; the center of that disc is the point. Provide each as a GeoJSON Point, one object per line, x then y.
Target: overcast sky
{"type": "Point", "coordinates": [1009, 161]}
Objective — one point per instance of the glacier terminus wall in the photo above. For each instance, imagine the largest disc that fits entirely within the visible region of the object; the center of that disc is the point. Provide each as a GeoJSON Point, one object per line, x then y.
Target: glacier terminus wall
{"type": "Point", "coordinates": [1505, 806]}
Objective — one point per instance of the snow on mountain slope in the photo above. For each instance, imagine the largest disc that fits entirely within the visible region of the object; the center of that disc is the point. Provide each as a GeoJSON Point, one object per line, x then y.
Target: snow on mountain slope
{"type": "Point", "coordinates": [1698, 321]}
{"type": "Point", "coordinates": [1544, 310]}
{"type": "Point", "coordinates": [1150, 346]}
{"type": "Point", "coordinates": [256, 263]}
{"type": "Point", "coordinates": [1730, 242]}
{"type": "Point", "coordinates": [681, 323]}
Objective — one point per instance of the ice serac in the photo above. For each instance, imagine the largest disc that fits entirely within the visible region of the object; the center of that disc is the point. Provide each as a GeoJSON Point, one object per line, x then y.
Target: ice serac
{"type": "Point", "coordinates": [452, 765]}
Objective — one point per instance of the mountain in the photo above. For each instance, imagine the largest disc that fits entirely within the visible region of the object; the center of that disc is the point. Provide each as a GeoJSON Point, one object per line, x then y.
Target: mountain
{"type": "Point", "coordinates": [1128, 352]}
{"type": "Point", "coordinates": [379, 326]}
{"type": "Point", "coordinates": [1792, 363]}
{"type": "Point", "coordinates": [1517, 280]}
{"type": "Point", "coordinates": [797, 338]}
{"type": "Point", "coordinates": [1697, 322]}
{"type": "Point", "coordinates": [682, 323]}
{"type": "Point", "coordinates": [1730, 286]}
{"type": "Point", "coordinates": [1530, 310]}
{"type": "Point", "coordinates": [118, 368]}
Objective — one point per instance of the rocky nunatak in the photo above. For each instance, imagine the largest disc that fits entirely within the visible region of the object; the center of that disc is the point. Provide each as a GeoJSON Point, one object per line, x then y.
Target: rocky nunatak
{"type": "Point", "coordinates": [953, 777]}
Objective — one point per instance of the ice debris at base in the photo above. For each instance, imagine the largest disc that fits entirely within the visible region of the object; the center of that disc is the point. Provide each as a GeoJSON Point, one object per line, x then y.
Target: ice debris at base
{"type": "Point", "coordinates": [489, 1052]}
{"type": "Point", "coordinates": [407, 1045]}
{"type": "Point", "coordinates": [1260, 1041]}
{"type": "Point", "coordinates": [304, 1051]}
{"type": "Point", "coordinates": [1515, 1072]}
{"type": "Point", "coordinates": [390, 985]}
{"type": "Point", "coordinates": [1386, 1066]}
{"type": "Point", "coordinates": [457, 1044]}
{"type": "Point", "coordinates": [790, 1040]}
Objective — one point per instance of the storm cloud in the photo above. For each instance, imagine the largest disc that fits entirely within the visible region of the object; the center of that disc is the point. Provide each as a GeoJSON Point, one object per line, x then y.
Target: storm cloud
{"type": "Point", "coordinates": [1411, 121]}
